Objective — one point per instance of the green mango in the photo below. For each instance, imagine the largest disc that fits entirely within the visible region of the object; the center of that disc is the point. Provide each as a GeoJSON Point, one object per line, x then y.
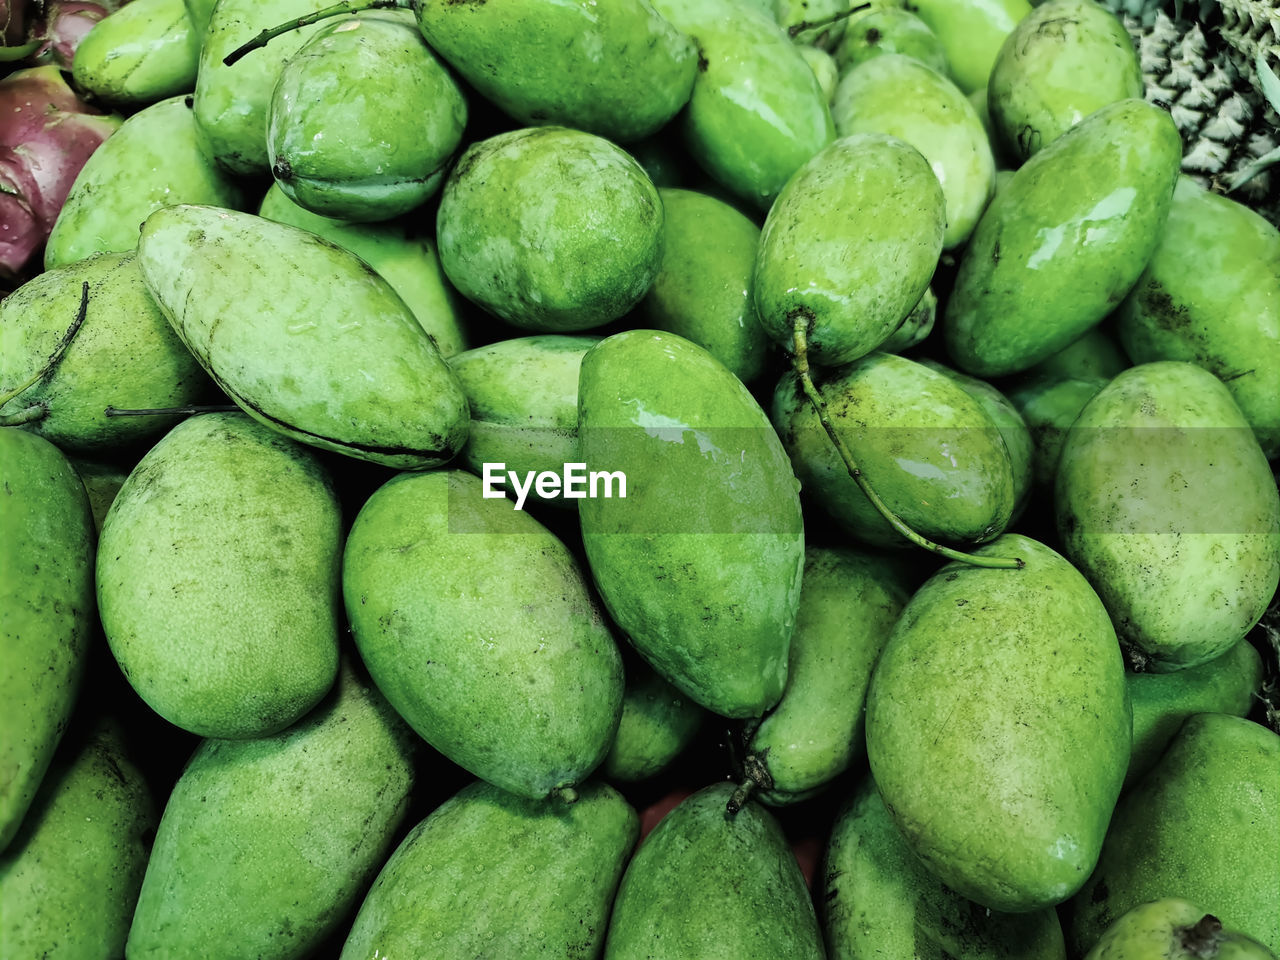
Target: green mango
{"type": "Point", "coordinates": [1095, 356]}
{"type": "Point", "coordinates": [703, 288]}
{"type": "Point", "coordinates": [757, 112]}
{"type": "Point", "coordinates": [889, 29]}
{"type": "Point", "coordinates": [1162, 701]}
{"type": "Point", "coordinates": [550, 229]}
{"type": "Point", "coordinates": [476, 623]}
{"type": "Point", "coordinates": [1201, 825]}
{"type": "Point", "coordinates": [1049, 407]}
{"type": "Point", "coordinates": [1173, 929]}
{"type": "Point", "coordinates": [70, 878]}
{"type": "Point", "coordinates": [881, 903]}
{"type": "Point", "coordinates": [375, 169]}
{"type": "Point", "coordinates": [266, 845]}
{"type": "Point", "coordinates": [46, 611]}
{"type": "Point", "coordinates": [904, 98]}
{"type": "Point", "coordinates": [971, 33]}
{"type": "Point", "coordinates": [1002, 792]}
{"type": "Point", "coordinates": [706, 586]}
{"type": "Point", "coordinates": [489, 874]}
{"type": "Point", "coordinates": [141, 53]}
{"type": "Point", "coordinates": [1166, 503]}
{"type": "Point", "coordinates": [927, 448]}
{"type": "Point", "coordinates": [1063, 61]}
{"type": "Point", "coordinates": [152, 161]}
{"type": "Point", "coordinates": [657, 723]}
{"type": "Point", "coordinates": [849, 602]}
{"type": "Point", "coordinates": [308, 340]}
{"type": "Point", "coordinates": [794, 15]}
{"type": "Point", "coordinates": [824, 68]}
{"type": "Point", "coordinates": [850, 247]}
{"type": "Point", "coordinates": [709, 886]}
{"type": "Point", "coordinates": [1210, 296]}
{"type": "Point", "coordinates": [217, 577]}
{"type": "Point", "coordinates": [618, 70]}
{"type": "Point", "coordinates": [102, 482]}
{"type": "Point", "coordinates": [124, 355]}
{"type": "Point", "coordinates": [915, 328]}
{"type": "Point", "coordinates": [1059, 248]}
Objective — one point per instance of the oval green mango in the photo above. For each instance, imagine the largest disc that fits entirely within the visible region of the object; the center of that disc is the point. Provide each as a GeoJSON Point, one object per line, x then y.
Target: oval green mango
{"type": "Point", "coordinates": [1003, 792]}
{"type": "Point", "coordinates": [658, 722]}
{"type": "Point", "coordinates": [902, 97]}
{"type": "Point", "coordinates": [889, 29]}
{"type": "Point", "coordinates": [1063, 61]}
{"type": "Point", "coordinates": [384, 161]}
{"type": "Point", "coordinates": [491, 874]}
{"type": "Point", "coordinates": [915, 327]}
{"type": "Point", "coordinates": [476, 623]}
{"type": "Point", "coordinates": [1174, 928]}
{"type": "Point", "coordinates": [141, 53]}
{"type": "Point", "coordinates": [824, 68]}
{"type": "Point", "coordinates": [1062, 245]}
{"type": "Point", "coordinates": [709, 886]}
{"type": "Point", "coordinates": [849, 247]}
{"type": "Point", "coordinates": [1166, 503]}
{"type": "Point", "coordinates": [705, 586]}
{"type": "Point", "coordinates": [971, 32]}
{"type": "Point", "coordinates": [308, 340]}
{"type": "Point", "coordinates": [152, 161]}
{"type": "Point", "coordinates": [1095, 356]}
{"type": "Point", "coordinates": [1211, 295]}
{"type": "Point", "coordinates": [217, 577]}
{"type": "Point", "coordinates": [1049, 407]}
{"type": "Point", "coordinates": [795, 14]}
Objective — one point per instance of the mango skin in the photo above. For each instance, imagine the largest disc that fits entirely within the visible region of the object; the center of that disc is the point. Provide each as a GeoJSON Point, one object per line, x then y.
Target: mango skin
{"type": "Point", "coordinates": [619, 70]}
{"type": "Point", "coordinates": [1210, 295]}
{"type": "Point", "coordinates": [971, 32]}
{"type": "Point", "coordinates": [882, 30]}
{"type": "Point", "coordinates": [1095, 356]}
{"type": "Point", "coordinates": [706, 885]}
{"type": "Point", "coordinates": [491, 874]}
{"type": "Point", "coordinates": [881, 903]}
{"type": "Point", "coordinates": [309, 340]}
{"type": "Point", "coordinates": [849, 246]}
{"type": "Point", "coordinates": [657, 723]}
{"type": "Point", "coordinates": [1171, 929]}
{"type": "Point", "coordinates": [139, 54]}
{"type": "Point", "coordinates": [382, 162]}
{"type": "Point", "coordinates": [1166, 503]}
{"type": "Point", "coordinates": [1056, 251]}
{"type": "Point", "coordinates": [1001, 792]}
{"type": "Point", "coordinates": [217, 578]}
{"type": "Point", "coordinates": [707, 587]}
{"type": "Point", "coordinates": [824, 68]}
{"type": "Point", "coordinates": [1049, 408]}
{"type": "Point", "coordinates": [904, 98]}
{"type": "Point", "coordinates": [266, 845]}
{"type": "Point", "coordinates": [70, 879]}
{"type": "Point", "coordinates": [47, 611]}
{"type": "Point", "coordinates": [476, 623]}
{"type": "Point", "coordinates": [152, 161]}
{"type": "Point", "coordinates": [1200, 825]}
{"type": "Point", "coordinates": [125, 355]}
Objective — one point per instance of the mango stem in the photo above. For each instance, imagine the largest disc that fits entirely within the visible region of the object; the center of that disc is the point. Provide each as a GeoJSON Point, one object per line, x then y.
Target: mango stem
{"type": "Point", "coordinates": [55, 357]}
{"type": "Point", "coordinates": [801, 365]}
{"type": "Point", "coordinates": [337, 10]}
{"type": "Point", "coordinates": [739, 798]}
{"type": "Point", "coordinates": [795, 30]}
{"type": "Point", "coordinates": [170, 411]}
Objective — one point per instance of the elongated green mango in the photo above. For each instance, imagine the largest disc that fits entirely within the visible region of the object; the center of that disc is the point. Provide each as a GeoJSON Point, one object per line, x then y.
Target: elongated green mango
{"type": "Point", "coordinates": [47, 611]}
{"type": "Point", "coordinates": [1049, 408]}
{"type": "Point", "coordinates": [658, 721]}
{"type": "Point", "coordinates": [1176, 929]}
{"type": "Point", "coordinates": [881, 903]}
{"type": "Point", "coordinates": [307, 339]}
{"type": "Point", "coordinates": [218, 578]}
{"type": "Point", "coordinates": [1166, 503]}
{"type": "Point", "coordinates": [152, 161]}
{"type": "Point", "coordinates": [849, 247]}
{"type": "Point", "coordinates": [882, 30]}
{"type": "Point", "coordinates": [143, 52]}
{"type": "Point", "coordinates": [972, 32]}
{"type": "Point", "coordinates": [824, 68]}
{"type": "Point", "coordinates": [1095, 356]}
{"type": "Point", "coordinates": [1211, 295]}
{"type": "Point", "coordinates": [1003, 793]}
{"type": "Point", "coordinates": [709, 886]}
{"type": "Point", "coordinates": [705, 586]}
{"type": "Point", "coordinates": [266, 845]}
{"type": "Point", "coordinates": [491, 874]}
{"type": "Point", "coordinates": [1058, 249]}
{"type": "Point", "coordinates": [915, 327]}
{"type": "Point", "coordinates": [476, 623]}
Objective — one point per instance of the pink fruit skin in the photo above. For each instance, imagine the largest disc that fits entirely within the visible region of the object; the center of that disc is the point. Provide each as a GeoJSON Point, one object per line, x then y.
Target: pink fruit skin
{"type": "Point", "coordinates": [55, 29]}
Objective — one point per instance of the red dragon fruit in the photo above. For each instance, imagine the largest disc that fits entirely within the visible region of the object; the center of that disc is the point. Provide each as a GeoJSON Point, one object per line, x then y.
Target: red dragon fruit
{"type": "Point", "coordinates": [48, 31]}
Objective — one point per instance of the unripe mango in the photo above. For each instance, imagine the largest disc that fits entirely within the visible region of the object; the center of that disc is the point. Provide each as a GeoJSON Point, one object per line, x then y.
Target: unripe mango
{"type": "Point", "coordinates": [971, 32]}
{"type": "Point", "coordinates": [141, 53]}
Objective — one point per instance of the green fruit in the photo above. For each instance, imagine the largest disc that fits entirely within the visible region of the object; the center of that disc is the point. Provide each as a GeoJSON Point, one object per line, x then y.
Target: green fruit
{"type": "Point", "coordinates": [1166, 503]}
{"type": "Point", "coordinates": [47, 611]}
{"type": "Point", "coordinates": [1095, 356]}
{"type": "Point", "coordinates": [139, 54]}
{"type": "Point", "coordinates": [102, 481]}
{"type": "Point", "coordinates": [70, 878]}
{"type": "Point", "coordinates": [657, 723]}
{"type": "Point", "coordinates": [550, 229]}
{"type": "Point", "coordinates": [1174, 929]}
{"type": "Point", "coordinates": [493, 875]}
{"type": "Point", "coordinates": [705, 585]}
{"type": "Point", "coordinates": [218, 578]}
{"type": "Point", "coordinates": [1060, 247]}
{"type": "Point", "coordinates": [1209, 296]}
{"type": "Point", "coordinates": [881, 903]}
{"type": "Point", "coordinates": [791, 14]}
{"type": "Point", "coordinates": [709, 886]}
{"type": "Point", "coordinates": [917, 325]}
{"type": "Point", "coordinates": [308, 340]}
{"type": "Point", "coordinates": [1201, 825]}
{"type": "Point", "coordinates": [849, 246]}
{"type": "Point", "coordinates": [476, 623]}
{"type": "Point", "coordinates": [971, 33]}
{"type": "Point", "coordinates": [998, 727]}
{"type": "Point", "coordinates": [1049, 408]}
{"type": "Point", "coordinates": [882, 30]}
{"type": "Point", "coordinates": [152, 161]}
{"type": "Point", "coordinates": [824, 69]}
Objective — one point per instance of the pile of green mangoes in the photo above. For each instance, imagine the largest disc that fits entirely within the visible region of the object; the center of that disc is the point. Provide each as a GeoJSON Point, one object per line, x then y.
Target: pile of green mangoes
{"type": "Point", "coordinates": [920, 413]}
